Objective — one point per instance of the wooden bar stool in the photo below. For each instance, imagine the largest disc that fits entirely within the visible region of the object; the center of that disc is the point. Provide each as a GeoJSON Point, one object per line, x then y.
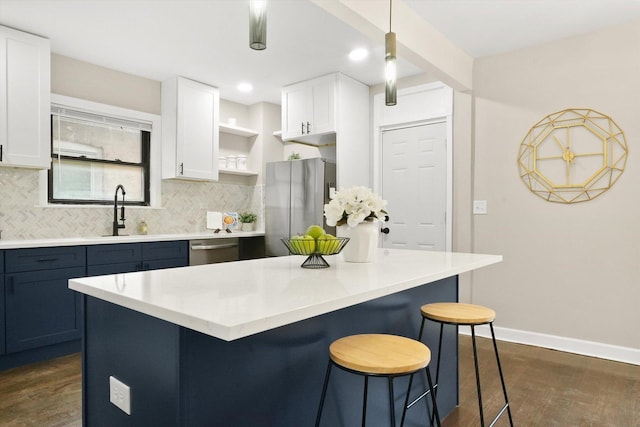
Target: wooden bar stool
{"type": "Point", "coordinates": [459, 314]}
{"type": "Point", "coordinates": [378, 355]}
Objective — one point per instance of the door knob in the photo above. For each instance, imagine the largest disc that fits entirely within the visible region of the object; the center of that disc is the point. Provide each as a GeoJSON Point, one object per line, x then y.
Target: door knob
{"type": "Point", "coordinates": [384, 230]}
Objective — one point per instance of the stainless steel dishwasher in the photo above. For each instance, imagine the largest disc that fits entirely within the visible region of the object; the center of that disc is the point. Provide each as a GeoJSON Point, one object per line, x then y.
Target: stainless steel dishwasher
{"type": "Point", "coordinates": [210, 251]}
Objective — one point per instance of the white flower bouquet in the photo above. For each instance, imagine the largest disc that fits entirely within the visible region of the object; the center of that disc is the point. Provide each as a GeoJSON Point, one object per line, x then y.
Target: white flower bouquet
{"type": "Point", "coordinates": [354, 205]}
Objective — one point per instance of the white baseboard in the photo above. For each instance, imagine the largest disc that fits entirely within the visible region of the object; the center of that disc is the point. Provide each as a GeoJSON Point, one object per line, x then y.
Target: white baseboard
{"type": "Point", "coordinates": [569, 345]}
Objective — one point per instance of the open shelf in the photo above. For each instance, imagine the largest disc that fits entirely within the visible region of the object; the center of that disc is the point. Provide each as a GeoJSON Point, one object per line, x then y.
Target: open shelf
{"type": "Point", "coordinates": [236, 130]}
{"type": "Point", "coordinates": [238, 172]}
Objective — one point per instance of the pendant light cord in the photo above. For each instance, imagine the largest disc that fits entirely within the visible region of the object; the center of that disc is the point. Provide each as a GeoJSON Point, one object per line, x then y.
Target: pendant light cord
{"type": "Point", "coordinates": [390, 9]}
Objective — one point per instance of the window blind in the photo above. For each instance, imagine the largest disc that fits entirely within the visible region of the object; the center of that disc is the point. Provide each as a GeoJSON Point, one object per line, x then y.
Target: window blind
{"type": "Point", "coordinates": [122, 122]}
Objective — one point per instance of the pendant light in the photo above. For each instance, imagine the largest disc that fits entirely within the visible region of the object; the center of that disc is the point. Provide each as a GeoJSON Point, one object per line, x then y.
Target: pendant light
{"type": "Point", "coordinates": [258, 24]}
{"type": "Point", "coordinates": [390, 64]}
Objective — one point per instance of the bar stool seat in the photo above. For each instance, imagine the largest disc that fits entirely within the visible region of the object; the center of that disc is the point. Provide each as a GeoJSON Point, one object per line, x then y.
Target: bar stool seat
{"type": "Point", "coordinates": [455, 313]}
{"type": "Point", "coordinates": [458, 313]}
{"type": "Point", "coordinates": [378, 355]}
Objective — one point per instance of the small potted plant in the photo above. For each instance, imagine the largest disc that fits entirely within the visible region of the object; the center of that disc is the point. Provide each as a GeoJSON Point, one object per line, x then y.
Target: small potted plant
{"type": "Point", "coordinates": [247, 219]}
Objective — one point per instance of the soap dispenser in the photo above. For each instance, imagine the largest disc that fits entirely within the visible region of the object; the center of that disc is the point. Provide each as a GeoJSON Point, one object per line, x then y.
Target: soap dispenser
{"type": "Point", "coordinates": [142, 227]}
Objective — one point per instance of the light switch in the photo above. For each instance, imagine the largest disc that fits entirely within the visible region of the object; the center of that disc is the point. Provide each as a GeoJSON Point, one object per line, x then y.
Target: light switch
{"type": "Point", "coordinates": [480, 207]}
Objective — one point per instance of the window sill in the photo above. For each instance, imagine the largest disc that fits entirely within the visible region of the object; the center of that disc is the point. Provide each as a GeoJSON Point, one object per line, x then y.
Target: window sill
{"type": "Point", "coordinates": [61, 206]}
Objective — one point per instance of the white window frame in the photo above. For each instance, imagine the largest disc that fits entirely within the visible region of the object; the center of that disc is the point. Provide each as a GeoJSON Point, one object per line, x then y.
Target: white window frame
{"type": "Point", "coordinates": [155, 162]}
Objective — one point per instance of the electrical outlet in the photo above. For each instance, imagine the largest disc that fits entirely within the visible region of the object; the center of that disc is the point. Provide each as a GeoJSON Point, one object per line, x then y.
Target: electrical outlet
{"type": "Point", "coordinates": [120, 395]}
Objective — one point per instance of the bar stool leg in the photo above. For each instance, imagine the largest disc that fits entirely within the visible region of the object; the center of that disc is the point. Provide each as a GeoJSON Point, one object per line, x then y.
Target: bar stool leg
{"type": "Point", "coordinates": [433, 399]}
{"type": "Point", "coordinates": [475, 360]}
{"type": "Point", "coordinates": [504, 387]}
{"type": "Point", "coordinates": [432, 387]}
{"type": "Point", "coordinates": [438, 360]}
{"type": "Point", "coordinates": [392, 408]}
{"type": "Point", "coordinates": [406, 400]}
{"type": "Point", "coordinates": [364, 403]}
{"type": "Point", "coordinates": [324, 392]}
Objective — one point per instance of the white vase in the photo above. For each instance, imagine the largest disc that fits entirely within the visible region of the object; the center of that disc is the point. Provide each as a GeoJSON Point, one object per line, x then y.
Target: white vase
{"type": "Point", "coordinates": [363, 241]}
{"type": "Point", "coordinates": [247, 226]}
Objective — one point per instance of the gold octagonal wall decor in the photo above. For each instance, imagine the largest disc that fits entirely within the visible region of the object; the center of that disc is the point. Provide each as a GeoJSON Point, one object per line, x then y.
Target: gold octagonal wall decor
{"type": "Point", "coordinates": [572, 156]}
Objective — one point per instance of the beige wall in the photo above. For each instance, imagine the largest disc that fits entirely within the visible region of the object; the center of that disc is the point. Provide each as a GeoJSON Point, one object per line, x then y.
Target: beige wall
{"type": "Point", "coordinates": [83, 80]}
{"type": "Point", "coordinates": [568, 270]}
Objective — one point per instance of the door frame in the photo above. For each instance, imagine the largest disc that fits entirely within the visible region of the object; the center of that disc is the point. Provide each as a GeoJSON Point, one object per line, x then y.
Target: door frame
{"type": "Point", "coordinates": [419, 105]}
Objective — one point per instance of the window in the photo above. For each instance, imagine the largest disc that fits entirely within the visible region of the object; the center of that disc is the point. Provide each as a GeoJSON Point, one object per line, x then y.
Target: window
{"type": "Point", "coordinates": [93, 153]}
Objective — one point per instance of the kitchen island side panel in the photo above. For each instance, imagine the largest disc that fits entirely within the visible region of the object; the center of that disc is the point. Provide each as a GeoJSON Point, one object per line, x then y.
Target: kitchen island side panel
{"type": "Point", "coordinates": [182, 377]}
{"type": "Point", "coordinates": [139, 350]}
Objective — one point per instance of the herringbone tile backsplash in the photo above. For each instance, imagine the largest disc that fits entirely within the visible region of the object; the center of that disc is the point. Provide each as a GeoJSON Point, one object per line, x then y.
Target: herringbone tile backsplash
{"type": "Point", "coordinates": [184, 207]}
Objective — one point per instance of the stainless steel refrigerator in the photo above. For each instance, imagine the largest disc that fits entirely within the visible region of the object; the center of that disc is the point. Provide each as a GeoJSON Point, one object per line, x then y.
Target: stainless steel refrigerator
{"type": "Point", "coordinates": [295, 194]}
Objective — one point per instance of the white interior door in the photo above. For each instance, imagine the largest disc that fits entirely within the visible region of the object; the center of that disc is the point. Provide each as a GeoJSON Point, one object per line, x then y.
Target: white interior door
{"type": "Point", "coordinates": [414, 182]}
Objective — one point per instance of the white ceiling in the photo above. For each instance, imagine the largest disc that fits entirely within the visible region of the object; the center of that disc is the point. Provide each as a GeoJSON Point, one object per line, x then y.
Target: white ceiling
{"type": "Point", "coordinates": [207, 40]}
{"type": "Point", "coordinates": [489, 27]}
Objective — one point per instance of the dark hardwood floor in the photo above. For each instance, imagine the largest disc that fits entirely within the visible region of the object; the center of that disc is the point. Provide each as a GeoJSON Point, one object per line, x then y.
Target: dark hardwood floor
{"type": "Point", "coordinates": [44, 394]}
{"type": "Point", "coordinates": [546, 388]}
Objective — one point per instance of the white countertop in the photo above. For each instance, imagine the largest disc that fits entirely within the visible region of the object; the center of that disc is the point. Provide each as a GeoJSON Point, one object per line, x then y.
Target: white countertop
{"type": "Point", "coordinates": [237, 299]}
{"type": "Point", "coordinates": [134, 238]}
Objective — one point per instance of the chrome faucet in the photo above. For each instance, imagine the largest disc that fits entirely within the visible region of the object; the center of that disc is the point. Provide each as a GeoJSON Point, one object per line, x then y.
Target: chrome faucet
{"type": "Point", "coordinates": [116, 225]}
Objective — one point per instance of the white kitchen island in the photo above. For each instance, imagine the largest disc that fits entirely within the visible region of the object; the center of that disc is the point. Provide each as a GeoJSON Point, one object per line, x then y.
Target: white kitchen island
{"type": "Point", "coordinates": [245, 343]}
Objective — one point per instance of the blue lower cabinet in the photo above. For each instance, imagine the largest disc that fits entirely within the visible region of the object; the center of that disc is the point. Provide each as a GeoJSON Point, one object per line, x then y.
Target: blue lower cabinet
{"type": "Point", "coordinates": [158, 255]}
{"type": "Point", "coordinates": [113, 259]}
{"type": "Point", "coordinates": [129, 257]}
{"type": "Point", "coordinates": [40, 309]}
{"type": "Point", "coordinates": [34, 259]}
{"type": "Point", "coordinates": [115, 268]}
{"type": "Point", "coordinates": [40, 317]}
{"type": "Point", "coordinates": [168, 254]}
{"type": "Point", "coordinates": [2, 346]}
{"type": "Point", "coordinates": [2, 327]}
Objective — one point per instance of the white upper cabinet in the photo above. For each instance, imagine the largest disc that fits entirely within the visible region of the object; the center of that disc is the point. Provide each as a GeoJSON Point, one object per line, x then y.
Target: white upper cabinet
{"type": "Point", "coordinates": [309, 109]}
{"type": "Point", "coordinates": [336, 108]}
{"type": "Point", "coordinates": [190, 140]}
{"type": "Point", "coordinates": [25, 90]}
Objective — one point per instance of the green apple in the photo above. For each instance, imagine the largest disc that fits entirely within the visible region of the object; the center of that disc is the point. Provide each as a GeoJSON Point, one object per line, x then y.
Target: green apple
{"type": "Point", "coordinates": [303, 245]}
{"type": "Point", "coordinates": [315, 231]}
{"type": "Point", "coordinates": [327, 244]}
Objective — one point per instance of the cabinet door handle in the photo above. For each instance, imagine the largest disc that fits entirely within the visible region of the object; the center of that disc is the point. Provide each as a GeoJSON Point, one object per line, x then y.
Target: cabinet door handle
{"type": "Point", "coordinates": [308, 124]}
{"type": "Point", "coordinates": [181, 168]}
{"type": "Point", "coordinates": [1, 148]}
{"type": "Point", "coordinates": [47, 259]}
{"type": "Point", "coordinates": [302, 128]}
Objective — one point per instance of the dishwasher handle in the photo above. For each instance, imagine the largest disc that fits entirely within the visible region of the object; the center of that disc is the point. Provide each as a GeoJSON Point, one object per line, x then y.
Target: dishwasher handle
{"type": "Point", "coordinates": [208, 247]}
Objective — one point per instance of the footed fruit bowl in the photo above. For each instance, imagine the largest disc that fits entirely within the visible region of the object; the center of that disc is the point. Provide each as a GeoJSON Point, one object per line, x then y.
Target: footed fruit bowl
{"type": "Point", "coordinates": [315, 248]}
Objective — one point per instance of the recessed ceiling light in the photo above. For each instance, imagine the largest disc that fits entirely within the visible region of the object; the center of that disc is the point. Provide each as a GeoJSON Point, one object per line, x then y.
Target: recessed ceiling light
{"type": "Point", "coordinates": [245, 87]}
{"type": "Point", "coordinates": [358, 54]}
